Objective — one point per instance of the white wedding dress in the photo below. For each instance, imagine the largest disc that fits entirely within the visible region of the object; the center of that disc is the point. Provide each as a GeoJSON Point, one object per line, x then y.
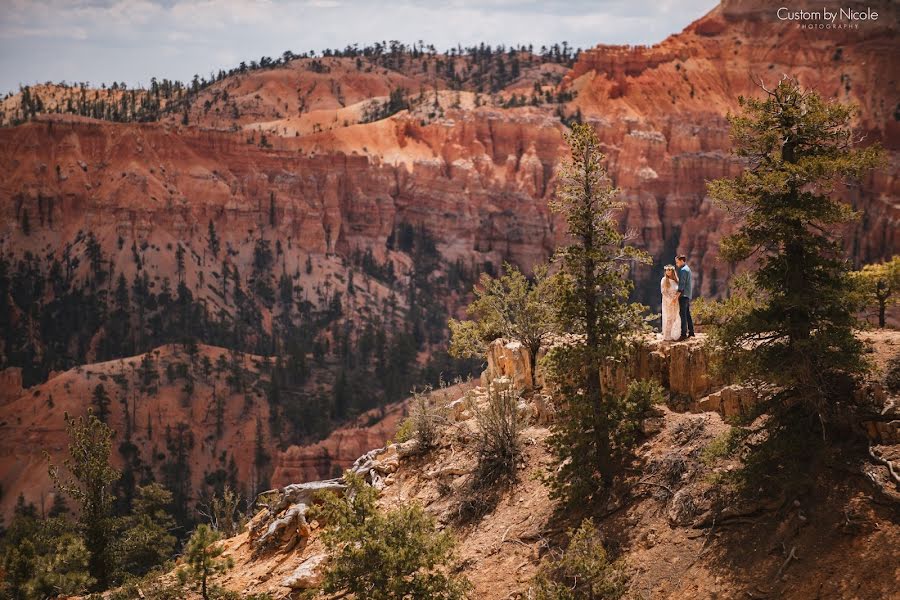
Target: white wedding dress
{"type": "Point", "coordinates": [671, 319]}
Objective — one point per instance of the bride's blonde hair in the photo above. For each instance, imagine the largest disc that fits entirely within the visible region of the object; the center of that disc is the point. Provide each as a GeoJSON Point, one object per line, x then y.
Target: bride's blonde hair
{"type": "Point", "coordinates": [671, 268]}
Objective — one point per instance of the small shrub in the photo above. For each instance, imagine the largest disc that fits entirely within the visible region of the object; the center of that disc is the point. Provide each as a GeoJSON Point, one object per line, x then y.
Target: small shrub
{"type": "Point", "coordinates": [724, 445]}
{"type": "Point", "coordinates": [406, 431]}
{"type": "Point", "coordinates": [204, 560]}
{"type": "Point", "coordinates": [426, 417]}
{"type": "Point", "coordinates": [153, 586]}
{"type": "Point", "coordinates": [225, 514]}
{"type": "Point", "coordinates": [584, 570]}
{"type": "Point", "coordinates": [892, 376]}
{"type": "Point", "coordinates": [499, 447]}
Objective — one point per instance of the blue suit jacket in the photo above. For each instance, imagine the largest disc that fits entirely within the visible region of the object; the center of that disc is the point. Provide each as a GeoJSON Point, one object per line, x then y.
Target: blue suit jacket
{"type": "Point", "coordinates": [685, 284]}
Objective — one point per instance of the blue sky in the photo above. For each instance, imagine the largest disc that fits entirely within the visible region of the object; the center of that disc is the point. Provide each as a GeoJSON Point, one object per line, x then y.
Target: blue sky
{"type": "Point", "coordinates": [133, 40]}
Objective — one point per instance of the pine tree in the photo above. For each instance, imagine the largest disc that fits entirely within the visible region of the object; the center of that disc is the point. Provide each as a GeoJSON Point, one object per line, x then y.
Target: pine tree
{"type": "Point", "coordinates": [791, 320]}
{"type": "Point", "coordinates": [878, 284]}
{"type": "Point", "coordinates": [176, 471]}
{"type": "Point", "coordinates": [179, 261]}
{"type": "Point", "coordinates": [90, 486]}
{"type": "Point", "coordinates": [213, 240]}
{"type": "Point", "coordinates": [100, 400]}
{"type": "Point", "coordinates": [261, 457]}
{"type": "Point", "coordinates": [590, 299]}
{"type": "Point", "coordinates": [147, 373]}
{"type": "Point", "coordinates": [59, 507]}
{"type": "Point", "coordinates": [204, 558]}
{"type": "Point", "coordinates": [146, 539]}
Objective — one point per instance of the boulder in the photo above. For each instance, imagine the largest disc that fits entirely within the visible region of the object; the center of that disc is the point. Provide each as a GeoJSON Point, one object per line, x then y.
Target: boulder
{"type": "Point", "coordinates": [308, 574]}
{"type": "Point", "coordinates": [509, 359]}
{"type": "Point", "coordinates": [731, 401]}
{"type": "Point", "coordinates": [883, 432]}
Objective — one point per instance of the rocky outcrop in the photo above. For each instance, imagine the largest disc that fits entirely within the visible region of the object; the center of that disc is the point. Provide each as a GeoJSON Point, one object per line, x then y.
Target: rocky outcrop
{"type": "Point", "coordinates": [730, 401]}
{"type": "Point", "coordinates": [308, 574]}
{"type": "Point", "coordinates": [337, 452]}
{"type": "Point", "coordinates": [685, 372]}
{"type": "Point", "coordinates": [10, 384]}
{"type": "Point", "coordinates": [511, 360]}
{"type": "Point", "coordinates": [682, 368]}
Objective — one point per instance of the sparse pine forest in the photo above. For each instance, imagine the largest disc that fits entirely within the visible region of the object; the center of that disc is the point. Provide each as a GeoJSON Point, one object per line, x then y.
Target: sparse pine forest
{"type": "Point", "coordinates": [483, 69]}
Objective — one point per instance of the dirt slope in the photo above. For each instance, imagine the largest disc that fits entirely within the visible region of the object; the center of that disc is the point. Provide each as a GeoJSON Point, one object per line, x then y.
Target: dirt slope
{"type": "Point", "coordinates": [679, 537]}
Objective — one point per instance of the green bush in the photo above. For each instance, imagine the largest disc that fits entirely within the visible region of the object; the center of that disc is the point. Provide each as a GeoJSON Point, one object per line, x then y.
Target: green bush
{"type": "Point", "coordinates": [153, 586]}
{"type": "Point", "coordinates": [406, 431]}
{"type": "Point", "coordinates": [583, 571]}
{"type": "Point", "coordinates": [892, 377]}
{"type": "Point", "coordinates": [724, 445]}
{"type": "Point", "coordinates": [384, 556]}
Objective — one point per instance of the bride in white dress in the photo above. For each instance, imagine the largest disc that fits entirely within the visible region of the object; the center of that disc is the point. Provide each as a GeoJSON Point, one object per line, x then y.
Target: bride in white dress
{"type": "Point", "coordinates": [671, 319]}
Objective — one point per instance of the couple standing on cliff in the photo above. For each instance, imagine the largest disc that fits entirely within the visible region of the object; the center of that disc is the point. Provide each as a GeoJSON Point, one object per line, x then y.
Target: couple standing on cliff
{"type": "Point", "coordinates": [677, 288]}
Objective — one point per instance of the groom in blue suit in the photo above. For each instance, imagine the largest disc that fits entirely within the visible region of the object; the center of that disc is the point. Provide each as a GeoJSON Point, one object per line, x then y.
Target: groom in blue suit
{"type": "Point", "coordinates": [685, 292]}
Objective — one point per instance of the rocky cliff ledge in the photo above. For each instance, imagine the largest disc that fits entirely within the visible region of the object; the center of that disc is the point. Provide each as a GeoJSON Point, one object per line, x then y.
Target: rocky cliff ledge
{"type": "Point", "coordinates": [684, 370]}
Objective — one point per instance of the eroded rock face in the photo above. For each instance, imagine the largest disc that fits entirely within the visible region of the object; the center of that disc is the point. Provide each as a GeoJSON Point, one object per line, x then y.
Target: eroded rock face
{"type": "Point", "coordinates": [479, 179]}
{"type": "Point", "coordinates": [660, 112]}
{"type": "Point", "coordinates": [331, 456]}
{"type": "Point", "coordinates": [730, 401]}
{"type": "Point", "coordinates": [683, 368]}
{"type": "Point", "coordinates": [509, 359]}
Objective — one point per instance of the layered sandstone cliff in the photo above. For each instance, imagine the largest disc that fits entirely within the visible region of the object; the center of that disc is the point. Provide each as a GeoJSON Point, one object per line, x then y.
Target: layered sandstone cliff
{"type": "Point", "coordinates": [477, 176]}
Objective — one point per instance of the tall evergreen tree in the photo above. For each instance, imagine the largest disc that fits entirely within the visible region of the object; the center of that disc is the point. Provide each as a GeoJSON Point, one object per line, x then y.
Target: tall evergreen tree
{"type": "Point", "coordinates": [146, 539]}
{"type": "Point", "coordinates": [791, 319]}
{"type": "Point", "coordinates": [213, 239]}
{"type": "Point", "coordinates": [100, 400]}
{"type": "Point", "coordinates": [90, 486]}
{"type": "Point", "coordinates": [176, 471]}
{"type": "Point", "coordinates": [590, 299]}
